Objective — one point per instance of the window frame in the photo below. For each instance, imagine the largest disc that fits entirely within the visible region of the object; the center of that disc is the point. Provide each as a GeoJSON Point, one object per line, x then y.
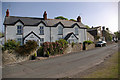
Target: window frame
{"type": "Point", "coordinates": [41, 29]}
{"type": "Point", "coordinates": [76, 29]}
{"type": "Point", "coordinates": [60, 30]}
{"type": "Point", "coordinates": [19, 29]}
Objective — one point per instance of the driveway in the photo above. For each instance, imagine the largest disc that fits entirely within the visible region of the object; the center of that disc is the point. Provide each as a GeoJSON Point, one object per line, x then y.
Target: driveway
{"type": "Point", "coordinates": [61, 66]}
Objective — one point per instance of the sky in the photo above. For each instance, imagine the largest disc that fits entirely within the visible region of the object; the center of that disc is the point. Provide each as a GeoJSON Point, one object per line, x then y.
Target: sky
{"type": "Point", "coordinates": [92, 13]}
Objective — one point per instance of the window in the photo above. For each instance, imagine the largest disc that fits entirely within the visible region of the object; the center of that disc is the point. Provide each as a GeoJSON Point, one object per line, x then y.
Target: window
{"type": "Point", "coordinates": [76, 31]}
{"type": "Point", "coordinates": [19, 29]}
{"type": "Point", "coordinates": [19, 40]}
{"type": "Point", "coordinates": [60, 30]}
{"type": "Point", "coordinates": [41, 30]}
{"type": "Point", "coordinates": [42, 39]}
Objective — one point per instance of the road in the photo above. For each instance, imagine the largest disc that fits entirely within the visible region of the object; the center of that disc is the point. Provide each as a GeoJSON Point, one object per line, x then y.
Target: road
{"type": "Point", "coordinates": [59, 67]}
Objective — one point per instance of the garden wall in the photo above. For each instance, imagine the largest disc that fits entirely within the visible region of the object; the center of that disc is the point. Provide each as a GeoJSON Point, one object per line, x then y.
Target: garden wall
{"type": "Point", "coordinates": [11, 57]}
{"type": "Point", "coordinates": [75, 48]}
{"type": "Point", "coordinates": [89, 46]}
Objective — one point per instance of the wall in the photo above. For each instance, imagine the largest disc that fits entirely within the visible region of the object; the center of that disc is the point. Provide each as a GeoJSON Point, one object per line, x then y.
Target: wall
{"type": "Point", "coordinates": [76, 48]}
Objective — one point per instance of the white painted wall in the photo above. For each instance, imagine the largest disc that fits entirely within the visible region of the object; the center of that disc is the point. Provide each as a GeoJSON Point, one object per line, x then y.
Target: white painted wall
{"type": "Point", "coordinates": [11, 32]}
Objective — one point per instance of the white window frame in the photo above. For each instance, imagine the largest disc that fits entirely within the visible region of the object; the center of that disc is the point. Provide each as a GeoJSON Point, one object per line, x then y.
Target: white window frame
{"type": "Point", "coordinates": [19, 29]}
{"type": "Point", "coordinates": [76, 30]}
{"type": "Point", "coordinates": [41, 30]}
{"type": "Point", "coordinates": [60, 30]}
{"type": "Point", "coordinates": [19, 40]}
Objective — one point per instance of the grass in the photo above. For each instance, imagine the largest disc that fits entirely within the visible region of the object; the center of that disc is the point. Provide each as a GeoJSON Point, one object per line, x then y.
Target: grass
{"type": "Point", "coordinates": [110, 69]}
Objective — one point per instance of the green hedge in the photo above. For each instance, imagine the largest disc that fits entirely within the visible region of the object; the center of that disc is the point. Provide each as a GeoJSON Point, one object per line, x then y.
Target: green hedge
{"type": "Point", "coordinates": [10, 45]}
{"type": "Point", "coordinates": [52, 48]}
{"type": "Point", "coordinates": [27, 48]}
{"type": "Point", "coordinates": [87, 42]}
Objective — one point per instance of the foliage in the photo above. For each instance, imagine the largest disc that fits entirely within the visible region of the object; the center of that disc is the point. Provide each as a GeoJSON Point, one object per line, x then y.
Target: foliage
{"type": "Point", "coordinates": [52, 48]}
{"type": "Point", "coordinates": [1, 34]}
{"type": "Point", "coordinates": [40, 51]}
{"type": "Point", "coordinates": [27, 48]}
{"type": "Point", "coordinates": [87, 26]}
{"type": "Point", "coordinates": [73, 44]}
{"type": "Point", "coordinates": [97, 37]}
{"type": "Point", "coordinates": [87, 42]}
{"type": "Point", "coordinates": [61, 17]}
{"type": "Point", "coordinates": [72, 20]}
{"type": "Point", "coordinates": [10, 45]}
{"type": "Point", "coordinates": [117, 34]}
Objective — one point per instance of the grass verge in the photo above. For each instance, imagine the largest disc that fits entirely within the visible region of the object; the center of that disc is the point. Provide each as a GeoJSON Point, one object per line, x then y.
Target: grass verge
{"type": "Point", "coordinates": [110, 69]}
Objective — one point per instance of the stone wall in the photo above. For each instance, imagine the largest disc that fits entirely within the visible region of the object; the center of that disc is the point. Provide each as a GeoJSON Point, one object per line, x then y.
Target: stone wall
{"type": "Point", "coordinates": [89, 46]}
{"type": "Point", "coordinates": [76, 48]}
{"type": "Point", "coordinates": [11, 57]}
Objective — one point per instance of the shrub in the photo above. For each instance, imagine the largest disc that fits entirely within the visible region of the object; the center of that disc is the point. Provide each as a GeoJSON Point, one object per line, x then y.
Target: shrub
{"type": "Point", "coordinates": [73, 44]}
{"type": "Point", "coordinates": [27, 48]}
{"type": "Point", "coordinates": [40, 51]}
{"type": "Point", "coordinates": [10, 45]}
{"type": "Point", "coordinates": [87, 42]}
{"type": "Point", "coordinates": [53, 48]}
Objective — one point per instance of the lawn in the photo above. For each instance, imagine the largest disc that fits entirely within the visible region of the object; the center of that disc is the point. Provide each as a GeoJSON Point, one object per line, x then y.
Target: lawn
{"type": "Point", "coordinates": [110, 69]}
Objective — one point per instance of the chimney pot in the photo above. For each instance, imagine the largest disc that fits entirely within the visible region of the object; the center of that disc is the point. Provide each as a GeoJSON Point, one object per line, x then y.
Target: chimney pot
{"type": "Point", "coordinates": [107, 29]}
{"type": "Point", "coordinates": [7, 13]}
{"type": "Point", "coordinates": [79, 19]}
{"type": "Point", "coordinates": [103, 28]}
{"type": "Point", "coordinates": [45, 15]}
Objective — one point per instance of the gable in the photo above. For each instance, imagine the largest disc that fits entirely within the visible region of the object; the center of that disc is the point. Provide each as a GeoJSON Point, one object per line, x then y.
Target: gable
{"type": "Point", "coordinates": [31, 35]}
{"type": "Point", "coordinates": [70, 36]}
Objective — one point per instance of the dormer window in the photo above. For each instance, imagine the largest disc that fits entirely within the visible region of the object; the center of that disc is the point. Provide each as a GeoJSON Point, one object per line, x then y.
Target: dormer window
{"type": "Point", "coordinates": [60, 30]}
{"type": "Point", "coordinates": [19, 29]}
{"type": "Point", "coordinates": [76, 31]}
{"type": "Point", "coordinates": [41, 30]}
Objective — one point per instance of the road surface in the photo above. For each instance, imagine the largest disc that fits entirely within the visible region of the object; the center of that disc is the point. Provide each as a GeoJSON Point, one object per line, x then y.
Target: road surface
{"type": "Point", "coordinates": [59, 67]}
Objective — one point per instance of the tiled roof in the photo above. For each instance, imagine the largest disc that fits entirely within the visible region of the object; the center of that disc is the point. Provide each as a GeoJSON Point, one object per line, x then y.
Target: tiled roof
{"type": "Point", "coordinates": [31, 21]}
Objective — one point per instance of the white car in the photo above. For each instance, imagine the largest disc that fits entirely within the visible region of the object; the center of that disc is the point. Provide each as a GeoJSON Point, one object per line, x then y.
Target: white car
{"type": "Point", "coordinates": [100, 44]}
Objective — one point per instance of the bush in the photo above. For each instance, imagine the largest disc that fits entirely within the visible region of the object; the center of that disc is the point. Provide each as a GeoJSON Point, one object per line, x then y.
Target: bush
{"type": "Point", "coordinates": [53, 48]}
{"type": "Point", "coordinates": [40, 51]}
{"type": "Point", "coordinates": [73, 44]}
{"type": "Point", "coordinates": [10, 45]}
{"type": "Point", "coordinates": [87, 42]}
{"type": "Point", "coordinates": [27, 48]}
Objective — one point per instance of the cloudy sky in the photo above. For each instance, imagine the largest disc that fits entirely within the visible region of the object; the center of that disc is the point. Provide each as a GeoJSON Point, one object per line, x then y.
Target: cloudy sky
{"type": "Point", "coordinates": [92, 13]}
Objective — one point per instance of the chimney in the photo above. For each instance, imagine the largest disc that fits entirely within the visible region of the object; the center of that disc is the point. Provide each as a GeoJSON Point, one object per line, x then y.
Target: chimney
{"type": "Point", "coordinates": [107, 29]}
{"type": "Point", "coordinates": [78, 19]}
{"type": "Point", "coordinates": [45, 15]}
{"type": "Point", "coordinates": [103, 27]}
{"type": "Point", "coordinates": [7, 13]}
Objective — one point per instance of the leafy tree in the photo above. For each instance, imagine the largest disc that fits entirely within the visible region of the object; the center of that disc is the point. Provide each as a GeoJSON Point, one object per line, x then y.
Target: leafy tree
{"type": "Point", "coordinates": [61, 17]}
{"type": "Point", "coordinates": [117, 34]}
{"type": "Point", "coordinates": [72, 19]}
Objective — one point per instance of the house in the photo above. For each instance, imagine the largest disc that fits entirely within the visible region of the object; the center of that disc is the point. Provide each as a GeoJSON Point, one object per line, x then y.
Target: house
{"type": "Point", "coordinates": [107, 35]}
{"type": "Point", "coordinates": [43, 29]}
{"type": "Point", "coordinates": [96, 33]}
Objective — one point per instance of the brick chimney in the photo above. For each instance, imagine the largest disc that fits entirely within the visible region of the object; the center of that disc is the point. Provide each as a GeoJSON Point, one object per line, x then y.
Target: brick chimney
{"type": "Point", "coordinates": [45, 15]}
{"type": "Point", "coordinates": [107, 29]}
{"type": "Point", "coordinates": [103, 28]}
{"type": "Point", "coordinates": [7, 13]}
{"type": "Point", "coordinates": [78, 19]}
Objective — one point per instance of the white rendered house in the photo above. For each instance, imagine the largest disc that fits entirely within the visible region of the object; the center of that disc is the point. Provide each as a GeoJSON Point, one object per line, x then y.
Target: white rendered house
{"type": "Point", "coordinates": [43, 29]}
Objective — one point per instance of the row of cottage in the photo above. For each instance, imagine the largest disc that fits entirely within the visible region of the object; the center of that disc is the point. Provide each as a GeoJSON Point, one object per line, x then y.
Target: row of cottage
{"type": "Point", "coordinates": [44, 30]}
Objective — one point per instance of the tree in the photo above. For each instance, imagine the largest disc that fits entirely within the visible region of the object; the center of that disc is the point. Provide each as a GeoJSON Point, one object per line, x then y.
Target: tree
{"type": "Point", "coordinates": [61, 17]}
{"type": "Point", "coordinates": [72, 20]}
{"type": "Point", "coordinates": [117, 34]}
{"type": "Point", "coordinates": [87, 26]}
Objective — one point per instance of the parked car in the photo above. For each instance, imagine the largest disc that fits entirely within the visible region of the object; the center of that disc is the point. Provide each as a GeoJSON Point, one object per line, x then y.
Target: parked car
{"type": "Point", "coordinates": [100, 44]}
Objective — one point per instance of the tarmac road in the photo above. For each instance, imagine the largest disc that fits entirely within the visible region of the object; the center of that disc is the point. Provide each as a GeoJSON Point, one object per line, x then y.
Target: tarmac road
{"type": "Point", "coordinates": [59, 67]}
